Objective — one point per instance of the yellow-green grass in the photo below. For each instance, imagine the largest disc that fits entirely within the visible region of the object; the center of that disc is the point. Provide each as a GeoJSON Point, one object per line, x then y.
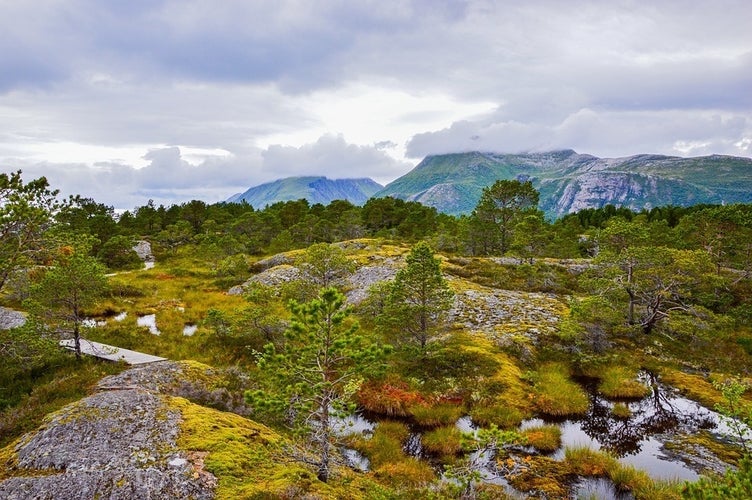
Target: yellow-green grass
{"type": "Point", "coordinates": [443, 442]}
{"type": "Point", "coordinates": [498, 413]}
{"type": "Point", "coordinates": [621, 382]}
{"type": "Point", "coordinates": [388, 461]}
{"type": "Point", "coordinates": [626, 478]}
{"type": "Point", "coordinates": [544, 438]}
{"type": "Point", "coordinates": [556, 394]}
{"type": "Point", "coordinates": [499, 395]}
{"type": "Point", "coordinates": [621, 410]}
{"type": "Point", "coordinates": [436, 415]}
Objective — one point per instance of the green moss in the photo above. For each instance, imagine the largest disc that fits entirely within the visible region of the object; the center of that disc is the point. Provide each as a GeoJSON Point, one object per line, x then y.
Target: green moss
{"type": "Point", "coordinates": [249, 459]}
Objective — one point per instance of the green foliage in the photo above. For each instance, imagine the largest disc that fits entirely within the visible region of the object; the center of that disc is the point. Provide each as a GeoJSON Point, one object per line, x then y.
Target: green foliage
{"type": "Point", "coordinates": [501, 207]}
{"type": "Point", "coordinates": [736, 412]}
{"type": "Point", "coordinates": [118, 253]}
{"type": "Point", "coordinates": [654, 282]}
{"type": "Point", "coordinates": [326, 265]}
{"type": "Point", "coordinates": [733, 485]}
{"type": "Point", "coordinates": [419, 298]}
{"type": "Point", "coordinates": [62, 296]}
{"type": "Point", "coordinates": [26, 211]}
{"type": "Point", "coordinates": [317, 371]}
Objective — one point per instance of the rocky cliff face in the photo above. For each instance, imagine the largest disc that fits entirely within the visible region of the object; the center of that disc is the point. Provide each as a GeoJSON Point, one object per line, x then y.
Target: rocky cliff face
{"type": "Point", "coordinates": [568, 181]}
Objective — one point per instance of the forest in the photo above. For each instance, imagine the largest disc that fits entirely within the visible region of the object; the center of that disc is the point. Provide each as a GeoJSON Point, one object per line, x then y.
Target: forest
{"type": "Point", "coordinates": [400, 352]}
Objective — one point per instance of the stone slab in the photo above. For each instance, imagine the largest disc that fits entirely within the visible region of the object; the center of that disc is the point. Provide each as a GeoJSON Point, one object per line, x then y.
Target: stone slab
{"type": "Point", "coordinates": [111, 353]}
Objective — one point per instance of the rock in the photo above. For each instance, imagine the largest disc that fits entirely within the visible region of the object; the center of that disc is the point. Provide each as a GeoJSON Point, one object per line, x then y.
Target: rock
{"type": "Point", "coordinates": [143, 250]}
{"type": "Point", "coordinates": [118, 444]}
{"type": "Point", "coordinates": [11, 319]}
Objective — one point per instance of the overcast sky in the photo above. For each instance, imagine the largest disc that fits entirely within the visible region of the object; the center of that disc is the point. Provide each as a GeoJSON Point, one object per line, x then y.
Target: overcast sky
{"type": "Point", "coordinates": [126, 101]}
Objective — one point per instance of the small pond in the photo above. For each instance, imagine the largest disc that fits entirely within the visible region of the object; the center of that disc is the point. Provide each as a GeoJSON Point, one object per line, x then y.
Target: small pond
{"type": "Point", "coordinates": [149, 321]}
{"type": "Point", "coordinates": [638, 440]}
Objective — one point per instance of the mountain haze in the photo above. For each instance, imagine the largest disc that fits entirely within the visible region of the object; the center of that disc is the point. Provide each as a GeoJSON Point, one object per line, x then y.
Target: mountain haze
{"type": "Point", "coordinates": [569, 181]}
{"type": "Point", "coordinates": [314, 189]}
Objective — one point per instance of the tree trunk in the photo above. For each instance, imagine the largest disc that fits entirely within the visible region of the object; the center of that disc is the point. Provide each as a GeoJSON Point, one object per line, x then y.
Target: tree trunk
{"type": "Point", "coordinates": [77, 339]}
{"type": "Point", "coordinates": [324, 442]}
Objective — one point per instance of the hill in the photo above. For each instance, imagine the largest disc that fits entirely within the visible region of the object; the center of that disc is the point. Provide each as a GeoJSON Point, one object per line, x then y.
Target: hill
{"type": "Point", "coordinates": [314, 189]}
{"type": "Point", "coordinates": [569, 181]}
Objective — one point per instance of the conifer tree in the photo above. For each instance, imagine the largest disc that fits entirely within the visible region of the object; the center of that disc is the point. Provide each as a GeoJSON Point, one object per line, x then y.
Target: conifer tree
{"type": "Point", "coordinates": [419, 298]}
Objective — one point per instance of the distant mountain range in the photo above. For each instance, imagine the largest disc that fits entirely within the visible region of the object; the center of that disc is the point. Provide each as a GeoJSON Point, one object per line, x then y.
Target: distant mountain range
{"type": "Point", "coordinates": [567, 182]}
{"type": "Point", "coordinates": [314, 189]}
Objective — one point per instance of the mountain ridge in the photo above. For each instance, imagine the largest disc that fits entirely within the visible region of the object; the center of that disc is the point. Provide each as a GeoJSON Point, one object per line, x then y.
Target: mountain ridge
{"type": "Point", "coordinates": [569, 181]}
{"type": "Point", "coordinates": [315, 189]}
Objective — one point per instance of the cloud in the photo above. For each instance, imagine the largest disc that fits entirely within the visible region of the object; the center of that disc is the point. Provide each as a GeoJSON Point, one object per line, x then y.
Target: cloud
{"type": "Point", "coordinates": [169, 178]}
{"type": "Point", "coordinates": [175, 99]}
{"type": "Point", "coordinates": [600, 132]}
{"type": "Point", "coordinates": [332, 156]}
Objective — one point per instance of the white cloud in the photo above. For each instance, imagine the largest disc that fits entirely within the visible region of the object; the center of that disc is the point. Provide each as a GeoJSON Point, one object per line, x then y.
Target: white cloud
{"type": "Point", "coordinates": [226, 95]}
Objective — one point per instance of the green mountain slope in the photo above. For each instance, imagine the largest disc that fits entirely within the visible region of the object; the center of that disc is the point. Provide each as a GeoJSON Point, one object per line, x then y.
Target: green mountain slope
{"type": "Point", "coordinates": [569, 181]}
{"type": "Point", "coordinates": [314, 189]}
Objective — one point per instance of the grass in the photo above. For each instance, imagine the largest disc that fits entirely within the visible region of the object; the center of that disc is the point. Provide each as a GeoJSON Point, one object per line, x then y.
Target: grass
{"type": "Point", "coordinates": [443, 442]}
{"type": "Point", "coordinates": [61, 385]}
{"type": "Point", "coordinates": [544, 438]}
{"type": "Point", "coordinates": [437, 415]}
{"type": "Point", "coordinates": [626, 478]}
{"type": "Point", "coordinates": [388, 461]}
{"type": "Point", "coordinates": [556, 394]}
{"type": "Point", "coordinates": [621, 382]}
{"type": "Point", "coordinates": [621, 410]}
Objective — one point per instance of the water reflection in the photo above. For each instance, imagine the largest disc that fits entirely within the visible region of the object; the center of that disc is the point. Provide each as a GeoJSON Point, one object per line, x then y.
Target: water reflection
{"type": "Point", "coordinates": [149, 321]}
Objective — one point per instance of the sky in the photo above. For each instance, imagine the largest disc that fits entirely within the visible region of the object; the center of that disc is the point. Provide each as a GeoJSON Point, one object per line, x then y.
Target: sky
{"type": "Point", "coordinates": [173, 100]}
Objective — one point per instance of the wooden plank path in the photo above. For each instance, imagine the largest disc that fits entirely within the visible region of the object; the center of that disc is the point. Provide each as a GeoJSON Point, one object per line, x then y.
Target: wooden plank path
{"type": "Point", "coordinates": [111, 353]}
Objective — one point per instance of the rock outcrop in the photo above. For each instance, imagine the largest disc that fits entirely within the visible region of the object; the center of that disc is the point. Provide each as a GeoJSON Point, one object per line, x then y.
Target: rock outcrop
{"type": "Point", "coordinates": [11, 319]}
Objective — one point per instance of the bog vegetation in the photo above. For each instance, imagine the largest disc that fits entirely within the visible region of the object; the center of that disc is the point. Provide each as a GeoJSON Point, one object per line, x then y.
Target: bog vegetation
{"type": "Point", "coordinates": [414, 318]}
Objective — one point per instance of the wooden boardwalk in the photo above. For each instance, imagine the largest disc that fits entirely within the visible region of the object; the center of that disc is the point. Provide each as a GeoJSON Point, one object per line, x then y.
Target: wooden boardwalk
{"type": "Point", "coordinates": [111, 353]}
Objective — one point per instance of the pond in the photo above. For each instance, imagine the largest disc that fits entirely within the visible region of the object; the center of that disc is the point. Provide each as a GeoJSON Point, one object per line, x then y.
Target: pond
{"type": "Point", "coordinates": [149, 321]}
{"type": "Point", "coordinates": [639, 440]}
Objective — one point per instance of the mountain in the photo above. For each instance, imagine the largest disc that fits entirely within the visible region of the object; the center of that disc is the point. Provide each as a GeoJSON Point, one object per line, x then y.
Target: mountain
{"type": "Point", "coordinates": [314, 189]}
{"type": "Point", "coordinates": [568, 181]}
